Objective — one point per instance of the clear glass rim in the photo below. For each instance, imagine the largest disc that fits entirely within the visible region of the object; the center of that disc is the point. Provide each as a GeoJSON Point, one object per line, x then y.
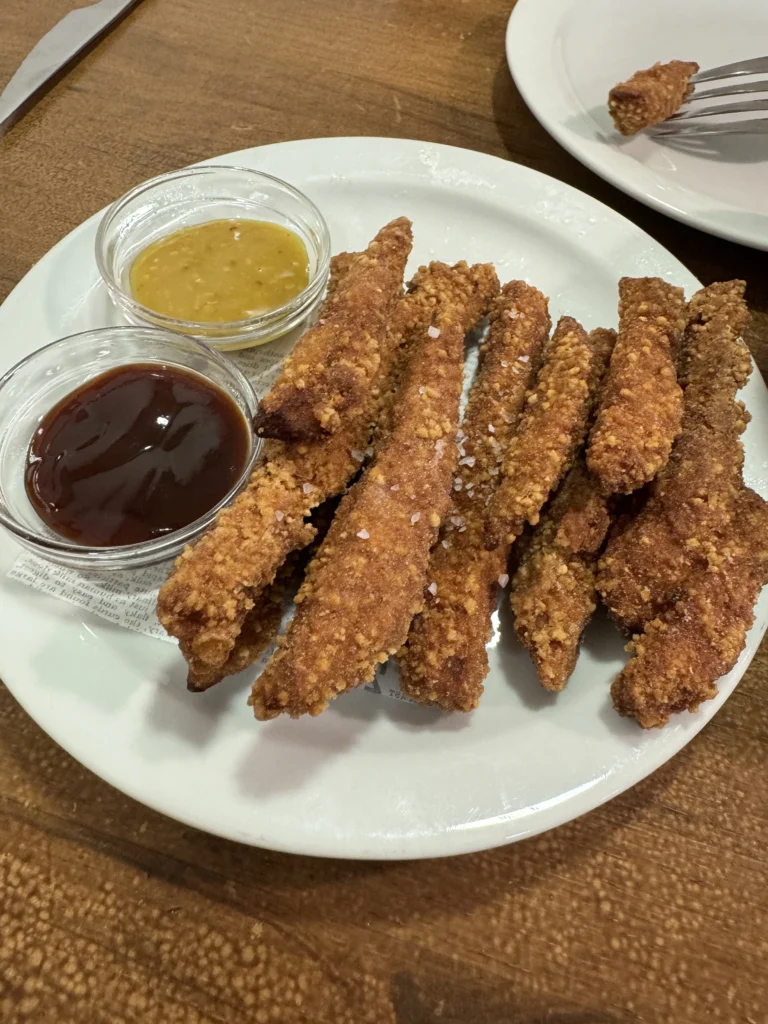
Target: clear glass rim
{"type": "Point", "coordinates": [195, 327]}
{"type": "Point", "coordinates": [160, 547]}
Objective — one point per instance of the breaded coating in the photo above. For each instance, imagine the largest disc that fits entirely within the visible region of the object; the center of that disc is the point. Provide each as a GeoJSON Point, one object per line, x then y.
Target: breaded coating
{"type": "Point", "coordinates": [261, 624]}
{"type": "Point", "coordinates": [215, 581]}
{"type": "Point", "coordinates": [411, 315]}
{"type": "Point", "coordinates": [335, 363]}
{"type": "Point", "coordinates": [367, 581]}
{"type": "Point", "coordinates": [549, 434]}
{"type": "Point", "coordinates": [553, 591]}
{"type": "Point", "coordinates": [650, 96]}
{"type": "Point", "coordinates": [642, 406]}
{"type": "Point", "coordinates": [259, 629]}
{"type": "Point", "coordinates": [681, 654]}
{"type": "Point", "coordinates": [692, 501]}
{"type": "Point", "coordinates": [340, 265]}
{"type": "Point", "coordinates": [444, 661]}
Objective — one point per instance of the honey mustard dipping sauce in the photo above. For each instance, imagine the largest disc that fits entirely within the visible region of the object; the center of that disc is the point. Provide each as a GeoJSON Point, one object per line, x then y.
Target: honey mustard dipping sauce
{"type": "Point", "coordinates": [221, 271]}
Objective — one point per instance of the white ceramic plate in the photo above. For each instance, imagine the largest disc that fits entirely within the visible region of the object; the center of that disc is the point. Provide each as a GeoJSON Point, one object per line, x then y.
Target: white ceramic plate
{"type": "Point", "coordinates": [566, 54]}
{"type": "Point", "coordinates": [372, 777]}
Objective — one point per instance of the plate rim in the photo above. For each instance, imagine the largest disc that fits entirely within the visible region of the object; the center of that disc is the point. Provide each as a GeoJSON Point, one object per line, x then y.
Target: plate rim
{"type": "Point", "coordinates": [436, 843]}
{"type": "Point", "coordinates": [604, 161]}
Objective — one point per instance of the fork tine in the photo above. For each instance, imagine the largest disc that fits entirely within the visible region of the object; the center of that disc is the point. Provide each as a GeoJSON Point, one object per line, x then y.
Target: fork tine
{"type": "Point", "coordinates": [749, 126]}
{"type": "Point", "coordinates": [739, 107]}
{"type": "Point", "coordinates": [735, 89]}
{"type": "Point", "coordinates": [756, 66]}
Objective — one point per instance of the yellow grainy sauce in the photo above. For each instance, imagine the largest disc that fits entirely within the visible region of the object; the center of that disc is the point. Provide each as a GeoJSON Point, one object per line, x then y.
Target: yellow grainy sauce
{"type": "Point", "coordinates": [220, 271]}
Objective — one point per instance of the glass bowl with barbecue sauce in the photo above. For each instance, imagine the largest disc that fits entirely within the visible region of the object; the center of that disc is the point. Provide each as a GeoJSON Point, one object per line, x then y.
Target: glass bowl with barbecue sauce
{"type": "Point", "coordinates": [229, 255]}
{"type": "Point", "coordinates": [118, 446]}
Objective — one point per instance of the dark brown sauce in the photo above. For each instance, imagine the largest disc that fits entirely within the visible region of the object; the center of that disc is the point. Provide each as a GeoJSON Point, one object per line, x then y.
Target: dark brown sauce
{"type": "Point", "coordinates": [134, 454]}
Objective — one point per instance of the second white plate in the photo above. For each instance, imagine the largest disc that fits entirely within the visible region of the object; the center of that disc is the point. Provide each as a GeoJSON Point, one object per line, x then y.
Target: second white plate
{"type": "Point", "coordinates": [565, 55]}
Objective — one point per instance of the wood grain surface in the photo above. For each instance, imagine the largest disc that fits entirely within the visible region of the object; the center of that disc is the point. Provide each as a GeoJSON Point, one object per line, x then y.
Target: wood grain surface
{"type": "Point", "coordinates": [653, 908]}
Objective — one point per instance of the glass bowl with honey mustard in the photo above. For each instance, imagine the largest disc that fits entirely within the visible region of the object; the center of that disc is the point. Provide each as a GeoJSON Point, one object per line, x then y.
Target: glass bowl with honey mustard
{"type": "Point", "coordinates": [229, 255]}
{"type": "Point", "coordinates": [119, 446]}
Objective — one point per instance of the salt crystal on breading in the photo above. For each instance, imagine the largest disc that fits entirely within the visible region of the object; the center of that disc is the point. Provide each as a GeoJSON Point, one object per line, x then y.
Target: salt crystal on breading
{"type": "Point", "coordinates": [462, 529]}
{"type": "Point", "coordinates": [512, 314]}
{"type": "Point", "coordinates": [415, 517]}
{"type": "Point", "coordinates": [445, 544]}
{"type": "Point", "coordinates": [523, 359]}
{"type": "Point", "coordinates": [469, 460]}
{"type": "Point", "coordinates": [460, 435]}
{"type": "Point", "coordinates": [363, 534]}
{"type": "Point", "coordinates": [457, 484]}
{"type": "Point", "coordinates": [279, 516]}
{"type": "Point", "coordinates": [422, 389]}
{"type": "Point", "coordinates": [433, 332]}
{"type": "Point", "coordinates": [491, 428]}
{"type": "Point", "coordinates": [369, 451]}
{"type": "Point", "coordinates": [307, 488]}
{"type": "Point", "coordinates": [395, 487]}
{"type": "Point", "coordinates": [457, 520]}
{"type": "Point", "coordinates": [504, 363]}
{"type": "Point", "coordinates": [432, 588]}
{"type": "Point", "coordinates": [439, 446]}
{"type": "Point", "coordinates": [357, 455]}
{"type": "Point", "coordinates": [503, 580]}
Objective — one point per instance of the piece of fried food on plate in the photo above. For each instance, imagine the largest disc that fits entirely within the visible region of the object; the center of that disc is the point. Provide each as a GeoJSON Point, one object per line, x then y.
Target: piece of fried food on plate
{"type": "Point", "coordinates": [641, 408]}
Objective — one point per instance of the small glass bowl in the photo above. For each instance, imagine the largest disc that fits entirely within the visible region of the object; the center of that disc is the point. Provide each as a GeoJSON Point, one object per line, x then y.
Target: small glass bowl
{"type": "Point", "coordinates": [30, 389]}
{"type": "Point", "coordinates": [193, 196]}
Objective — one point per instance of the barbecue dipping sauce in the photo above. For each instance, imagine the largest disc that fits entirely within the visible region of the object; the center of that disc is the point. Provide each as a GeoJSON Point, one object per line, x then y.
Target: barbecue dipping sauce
{"type": "Point", "coordinates": [134, 454]}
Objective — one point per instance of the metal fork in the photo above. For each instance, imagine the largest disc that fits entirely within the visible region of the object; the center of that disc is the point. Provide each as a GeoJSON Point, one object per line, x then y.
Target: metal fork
{"type": "Point", "coordinates": [686, 120]}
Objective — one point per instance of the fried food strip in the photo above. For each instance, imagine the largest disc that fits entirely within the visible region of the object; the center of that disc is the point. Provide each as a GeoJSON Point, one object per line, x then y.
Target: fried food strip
{"type": "Point", "coordinates": [333, 366]}
{"type": "Point", "coordinates": [553, 591]}
{"type": "Point", "coordinates": [680, 656]}
{"type": "Point", "coordinates": [642, 406]}
{"type": "Point", "coordinates": [650, 96]}
{"type": "Point", "coordinates": [215, 581]}
{"type": "Point", "coordinates": [367, 581]}
{"type": "Point", "coordinates": [549, 434]}
{"type": "Point", "coordinates": [693, 499]}
{"type": "Point", "coordinates": [444, 661]}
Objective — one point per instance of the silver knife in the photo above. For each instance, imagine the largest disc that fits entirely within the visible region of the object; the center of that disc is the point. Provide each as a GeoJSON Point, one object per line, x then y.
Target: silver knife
{"type": "Point", "coordinates": [56, 49]}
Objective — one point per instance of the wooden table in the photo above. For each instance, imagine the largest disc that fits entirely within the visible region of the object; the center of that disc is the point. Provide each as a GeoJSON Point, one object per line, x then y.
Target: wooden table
{"type": "Point", "coordinates": [653, 908]}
